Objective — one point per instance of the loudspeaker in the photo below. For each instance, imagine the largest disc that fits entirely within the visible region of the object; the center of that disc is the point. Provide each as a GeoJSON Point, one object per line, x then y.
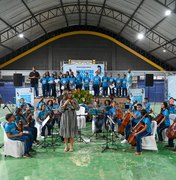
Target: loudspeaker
{"type": "Point", "coordinates": [149, 80]}
{"type": "Point", "coordinates": [17, 79]}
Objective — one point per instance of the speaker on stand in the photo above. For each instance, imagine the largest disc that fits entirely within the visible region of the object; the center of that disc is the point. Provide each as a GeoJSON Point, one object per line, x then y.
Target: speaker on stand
{"type": "Point", "coordinates": [149, 82]}
{"type": "Point", "coordinates": [17, 79]}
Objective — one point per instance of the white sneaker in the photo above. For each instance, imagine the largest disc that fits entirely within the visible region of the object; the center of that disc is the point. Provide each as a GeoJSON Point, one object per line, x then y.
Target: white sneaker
{"type": "Point", "coordinates": [124, 141]}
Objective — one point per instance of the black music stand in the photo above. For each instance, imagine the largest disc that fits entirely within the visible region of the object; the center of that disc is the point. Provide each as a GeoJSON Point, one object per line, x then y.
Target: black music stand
{"type": "Point", "coordinates": [109, 141]}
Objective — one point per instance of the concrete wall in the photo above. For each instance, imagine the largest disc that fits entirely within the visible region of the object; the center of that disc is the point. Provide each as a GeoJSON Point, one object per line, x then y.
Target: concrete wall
{"type": "Point", "coordinates": [81, 47]}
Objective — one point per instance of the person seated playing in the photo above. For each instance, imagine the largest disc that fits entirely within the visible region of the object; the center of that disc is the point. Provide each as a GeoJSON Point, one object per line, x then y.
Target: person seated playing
{"type": "Point", "coordinates": [146, 104]}
{"type": "Point", "coordinates": [146, 131]}
{"type": "Point", "coordinates": [22, 102]}
{"type": "Point", "coordinates": [41, 117]}
{"type": "Point", "coordinates": [13, 134]}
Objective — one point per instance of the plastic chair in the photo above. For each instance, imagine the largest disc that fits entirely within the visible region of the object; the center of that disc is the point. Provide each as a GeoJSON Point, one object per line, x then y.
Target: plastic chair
{"type": "Point", "coordinates": [149, 142]}
{"type": "Point", "coordinates": [12, 148]}
{"type": "Point", "coordinates": [81, 118]}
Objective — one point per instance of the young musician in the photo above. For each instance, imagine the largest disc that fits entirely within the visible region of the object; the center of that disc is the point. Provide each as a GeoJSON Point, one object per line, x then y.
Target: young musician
{"type": "Point", "coordinates": [96, 84]}
{"type": "Point", "coordinates": [41, 117]}
{"type": "Point", "coordinates": [146, 131]}
{"type": "Point", "coordinates": [165, 122]}
{"type": "Point", "coordinates": [28, 122]}
{"type": "Point", "coordinates": [107, 104]}
{"type": "Point", "coordinates": [39, 104]}
{"type": "Point", "coordinates": [68, 124]}
{"type": "Point", "coordinates": [124, 85]}
{"type": "Point", "coordinates": [44, 81]}
{"type": "Point", "coordinates": [105, 84]}
{"type": "Point", "coordinates": [111, 85]}
{"type": "Point", "coordinates": [13, 134]}
{"type": "Point", "coordinates": [97, 119]}
{"type": "Point", "coordinates": [118, 82]}
{"type": "Point", "coordinates": [146, 104]}
{"type": "Point", "coordinates": [78, 81]}
{"type": "Point", "coordinates": [86, 81]}
{"type": "Point", "coordinates": [52, 85]}
{"type": "Point", "coordinates": [128, 104]}
{"type": "Point", "coordinates": [72, 82]}
{"type": "Point", "coordinates": [134, 120]}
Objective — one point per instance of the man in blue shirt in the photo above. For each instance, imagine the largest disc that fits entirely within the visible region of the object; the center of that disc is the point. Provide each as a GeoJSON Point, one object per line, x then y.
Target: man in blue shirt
{"type": "Point", "coordinates": [118, 81]}
{"type": "Point", "coordinates": [105, 84]}
{"type": "Point", "coordinates": [39, 104]}
{"type": "Point", "coordinates": [78, 81]}
{"type": "Point", "coordinates": [72, 81]}
{"type": "Point", "coordinates": [111, 85]}
{"type": "Point", "coordinates": [124, 85]}
{"type": "Point", "coordinates": [96, 84]}
{"type": "Point", "coordinates": [14, 134]}
{"type": "Point", "coordinates": [86, 81]}
{"type": "Point", "coordinates": [146, 104]}
{"type": "Point", "coordinates": [52, 85]}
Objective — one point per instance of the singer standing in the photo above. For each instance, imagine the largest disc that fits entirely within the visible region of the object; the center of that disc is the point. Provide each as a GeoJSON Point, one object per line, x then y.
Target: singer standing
{"type": "Point", "coordinates": [68, 124]}
{"type": "Point", "coordinates": [34, 76]}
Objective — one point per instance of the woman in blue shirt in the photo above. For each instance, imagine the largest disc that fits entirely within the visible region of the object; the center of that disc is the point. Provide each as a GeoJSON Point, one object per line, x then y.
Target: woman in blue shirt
{"type": "Point", "coordinates": [72, 82]}
{"type": "Point", "coordinates": [78, 81]}
{"type": "Point", "coordinates": [64, 83]}
{"type": "Point", "coordinates": [105, 84]}
{"type": "Point", "coordinates": [118, 82]}
{"type": "Point", "coordinates": [146, 131]}
{"type": "Point", "coordinates": [44, 81]}
{"type": "Point", "coordinates": [165, 122]}
{"type": "Point", "coordinates": [52, 86]}
{"type": "Point", "coordinates": [96, 84]}
{"type": "Point", "coordinates": [86, 81]}
{"type": "Point", "coordinates": [111, 85]}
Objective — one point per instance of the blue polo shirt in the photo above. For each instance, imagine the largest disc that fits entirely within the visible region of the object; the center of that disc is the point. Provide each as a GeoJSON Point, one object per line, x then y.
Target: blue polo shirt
{"type": "Point", "coordinates": [138, 114]}
{"type": "Point", "coordinates": [11, 128]}
{"type": "Point", "coordinates": [51, 80]}
{"type": "Point", "coordinates": [111, 80]}
{"type": "Point", "coordinates": [72, 82]}
{"type": "Point", "coordinates": [112, 112]}
{"type": "Point", "coordinates": [105, 80]}
{"type": "Point", "coordinates": [39, 105]}
{"type": "Point", "coordinates": [44, 80]}
{"type": "Point", "coordinates": [166, 114]}
{"type": "Point", "coordinates": [64, 81]}
{"type": "Point", "coordinates": [148, 106]}
{"type": "Point", "coordinates": [97, 80]}
{"type": "Point", "coordinates": [118, 81]}
{"type": "Point", "coordinates": [124, 83]}
{"type": "Point", "coordinates": [148, 122]}
{"type": "Point", "coordinates": [78, 80]}
{"type": "Point", "coordinates": [86, 82]}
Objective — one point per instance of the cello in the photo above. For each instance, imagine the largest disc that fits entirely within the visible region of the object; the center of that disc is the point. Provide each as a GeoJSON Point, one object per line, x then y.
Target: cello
{"type": "Point", "coordinates": [125, 120]}
{"type": "Point", "coordinates": [171, 131]}
{"type": "Point", "coordinates": [158, 118]}
{"type": "Point", "coordinates": [139, 126]}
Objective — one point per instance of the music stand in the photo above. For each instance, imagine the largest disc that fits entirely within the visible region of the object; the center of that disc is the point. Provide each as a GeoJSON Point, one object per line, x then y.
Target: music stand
{"type": "Point", "coordinates": [109, 141]}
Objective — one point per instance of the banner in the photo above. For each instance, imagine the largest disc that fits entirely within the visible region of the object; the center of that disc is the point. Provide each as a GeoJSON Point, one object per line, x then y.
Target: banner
{"type": "Point", "coordinates": [83, 68]}
{"type": "Point", "coordinates": [172, 86]}
{"type": "Point", "coordinates": [137, 95]}
{"type": "Point", "coordinates": [26, 93]}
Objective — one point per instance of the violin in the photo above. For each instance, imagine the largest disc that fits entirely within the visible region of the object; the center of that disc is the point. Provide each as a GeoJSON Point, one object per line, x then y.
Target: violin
{"type": "Point", "coordinates": [125, 120]}
{"type": "Point", "coordinates": [29, 119]}
{"type": "Point", "coordinates": [139, 126]}
{"type": "Point", "coordinates": [20, 126]}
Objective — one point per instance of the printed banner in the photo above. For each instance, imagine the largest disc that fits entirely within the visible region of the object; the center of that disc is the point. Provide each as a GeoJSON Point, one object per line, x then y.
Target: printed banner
{"type": "Point", "coordinates": [83, 68]}
{"type": "Point", "coordinates": [26, 93]}
{"type": "Point", "coordinates": [172, 86]}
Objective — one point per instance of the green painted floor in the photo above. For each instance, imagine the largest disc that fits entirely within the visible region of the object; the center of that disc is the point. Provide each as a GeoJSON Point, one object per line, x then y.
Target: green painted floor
{"type": "Point", "coordinates": [87, 162]}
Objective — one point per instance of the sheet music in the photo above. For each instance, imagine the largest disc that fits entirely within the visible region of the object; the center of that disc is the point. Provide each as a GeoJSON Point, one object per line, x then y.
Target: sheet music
{"type": "Point", "coordinates": [45, 121]}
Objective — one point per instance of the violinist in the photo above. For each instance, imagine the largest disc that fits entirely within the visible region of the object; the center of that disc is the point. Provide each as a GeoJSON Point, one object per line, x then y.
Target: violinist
{"type": "Point", "coordinates": [146, 104]}
{"type": "Point", "coordinates": [146, 131]}
{"type": "Point", "coordinates": [165, 122]}
{"type": "Point", "coordinates": [172, 109]}
{"type": "Point", "coordinates": [29, 126]}
{"type": "Point", "coordinates": [19, 116]}
{"type": "Point", "coordinates": [39, 104]}
{"type": "Point", "coordinates": [128, 104]}
{"type": "Point", "coordinates": [42, 115]}
{"type": "Point", "coordinates": [134, 120]}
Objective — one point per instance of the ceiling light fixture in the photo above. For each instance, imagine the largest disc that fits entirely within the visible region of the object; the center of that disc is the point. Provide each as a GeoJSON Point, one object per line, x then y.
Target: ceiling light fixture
{"type": "Point", "coordinates": [140, 36]}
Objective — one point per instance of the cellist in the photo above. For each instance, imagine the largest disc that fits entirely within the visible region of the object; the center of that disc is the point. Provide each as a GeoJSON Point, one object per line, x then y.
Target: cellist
{"type": "Point", "coordinates": [146, 131]}
{"type": "Point", "coordinates": [136, 116]}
